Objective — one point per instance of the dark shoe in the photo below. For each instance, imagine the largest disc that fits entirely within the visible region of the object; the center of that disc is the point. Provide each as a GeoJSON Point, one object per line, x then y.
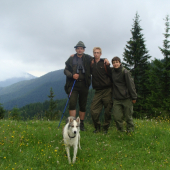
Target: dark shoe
{"type": "Point", "coordinates": [120, 130]}
{"type": "Point", "coordinates": [82, 127]}
{"type": "Point", "coordinates": [105, 131]}
{"type": "Point", "coordinates": [96, 131]}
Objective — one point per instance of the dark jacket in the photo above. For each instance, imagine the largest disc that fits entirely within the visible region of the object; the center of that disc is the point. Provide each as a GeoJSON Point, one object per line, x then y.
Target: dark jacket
{"type": "Point", "coordinates": [101, 79]}
{"type": "Point", "coordinates": [123, 84]}
{"type": "Point", "coordinates": [69, 71]}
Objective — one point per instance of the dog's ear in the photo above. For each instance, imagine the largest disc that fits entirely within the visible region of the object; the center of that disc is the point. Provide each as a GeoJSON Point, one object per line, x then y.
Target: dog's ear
{"type": "Point", "coordinates": [70, 120]}
{"type": "Point", "coordinates": [78, 119]}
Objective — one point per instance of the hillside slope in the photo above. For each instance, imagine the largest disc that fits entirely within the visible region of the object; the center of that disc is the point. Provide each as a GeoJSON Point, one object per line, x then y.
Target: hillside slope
{"type": "Point", "coordinates": [35, 90]}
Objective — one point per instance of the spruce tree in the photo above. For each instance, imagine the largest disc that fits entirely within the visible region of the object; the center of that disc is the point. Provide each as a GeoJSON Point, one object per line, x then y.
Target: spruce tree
{"type": "Point", "coordinates": [2, 111]}
{"type": "Point", "coordinates": [52, 113]}
{"type": "Point", "coordinates": [166, 64]}
{"type": "Point", "coordinates": [16, 114]}
{"type": "Point", "coordinates": [136, 56]}
{"type": "Point", "coordinates": [136, 59]}
{"type": "Point", "coordinates": [155, 86]}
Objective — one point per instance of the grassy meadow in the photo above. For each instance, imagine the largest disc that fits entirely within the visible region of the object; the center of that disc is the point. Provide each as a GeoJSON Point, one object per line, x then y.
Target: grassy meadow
{"type": "Point", "coordinates": [38, 145]}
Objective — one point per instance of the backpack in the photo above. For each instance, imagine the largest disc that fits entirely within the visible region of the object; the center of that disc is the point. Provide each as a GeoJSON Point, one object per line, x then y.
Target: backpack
{"type": "Point", "coordinates": [123, 71]}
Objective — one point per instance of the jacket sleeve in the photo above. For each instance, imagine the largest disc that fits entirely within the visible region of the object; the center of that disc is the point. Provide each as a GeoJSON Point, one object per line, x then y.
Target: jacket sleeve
{"type": "Point", "coordinates": [109, 70]}
{"type": "Point", "coordinates": [67, 71]}
{"type": "Point", "coordinates": [130, 85]}
{"type": "Point", "coordinates": [90, 57]}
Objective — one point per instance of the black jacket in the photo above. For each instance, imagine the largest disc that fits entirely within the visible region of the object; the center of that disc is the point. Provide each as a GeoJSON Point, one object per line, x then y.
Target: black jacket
{"type": "Point", "coordinates": [101, 78]}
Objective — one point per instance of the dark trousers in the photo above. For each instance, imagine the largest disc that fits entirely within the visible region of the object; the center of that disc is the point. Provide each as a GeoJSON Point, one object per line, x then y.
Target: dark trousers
{"type": "Point", "coordinates": [80, 91]}
{"type": "Point", "coordinates": [102, 98]}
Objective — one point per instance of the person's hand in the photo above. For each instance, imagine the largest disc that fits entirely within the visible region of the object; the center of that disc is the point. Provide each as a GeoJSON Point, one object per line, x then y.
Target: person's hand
{"type": "Point", "coordinates": [75, 76]}
{"type": "Point", "coordinates": [106, 61]}
{"type": "Point", "coordinates": [92, 62]}
{"type": "Point", "coordinates": [133, 101]}
{"type": "Point", "coordinates": [72, 55]}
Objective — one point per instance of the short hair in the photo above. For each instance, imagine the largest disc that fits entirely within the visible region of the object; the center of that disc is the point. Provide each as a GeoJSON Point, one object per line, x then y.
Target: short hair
{"type": "Point", "coordinates": [97, 48]}
{"type": "Point", "coordinates": [116, 59]}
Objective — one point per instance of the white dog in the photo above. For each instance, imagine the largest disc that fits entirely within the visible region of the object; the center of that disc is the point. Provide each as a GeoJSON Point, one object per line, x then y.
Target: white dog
{"type": "Point", "coordinates": [71, 136]}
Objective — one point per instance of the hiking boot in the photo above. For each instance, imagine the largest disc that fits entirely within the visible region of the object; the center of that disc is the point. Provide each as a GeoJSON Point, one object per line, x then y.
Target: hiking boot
{"type": "Point", "coordinates": [120, 130]}
{"type": "Point", "coordinates": [105, 131]}
{"type": "Point", "coordinates": [96, 130]}
{"type": "Point", "coordinates": [82, 126]}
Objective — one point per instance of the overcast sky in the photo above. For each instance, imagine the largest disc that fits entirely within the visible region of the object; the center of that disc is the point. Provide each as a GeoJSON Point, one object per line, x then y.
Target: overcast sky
{"type": "Point", "coordinates": [37, 36]}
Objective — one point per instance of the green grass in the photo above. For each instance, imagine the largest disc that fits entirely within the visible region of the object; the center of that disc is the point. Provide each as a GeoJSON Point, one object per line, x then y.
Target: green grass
{"type": "Point", "coordinates": [38, 145]}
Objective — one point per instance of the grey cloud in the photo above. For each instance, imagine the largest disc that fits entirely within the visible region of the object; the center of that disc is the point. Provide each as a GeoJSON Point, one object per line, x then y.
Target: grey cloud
{"type": "Point", "coordinates": [40, 35]}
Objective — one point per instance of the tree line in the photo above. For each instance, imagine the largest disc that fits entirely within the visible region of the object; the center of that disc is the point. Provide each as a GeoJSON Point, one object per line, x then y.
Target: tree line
{"type": "Point", "coordinates": [49, 110]}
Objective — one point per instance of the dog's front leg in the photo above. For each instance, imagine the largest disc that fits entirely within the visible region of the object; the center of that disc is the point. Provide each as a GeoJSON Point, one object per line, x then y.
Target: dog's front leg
{"type": "Point", "coordinates": [75, 153]}
{"type": "Point", "coordinates": [79, 141]}
{"type": "Point", "coordinates": [68, 154]}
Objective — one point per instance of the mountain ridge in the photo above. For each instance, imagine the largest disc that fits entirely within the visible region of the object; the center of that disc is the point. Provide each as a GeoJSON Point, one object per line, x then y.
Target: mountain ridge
{"type": "Point", "coordinates": [13, 80]}
{"type": "Point", "coordinates": [34, 90]}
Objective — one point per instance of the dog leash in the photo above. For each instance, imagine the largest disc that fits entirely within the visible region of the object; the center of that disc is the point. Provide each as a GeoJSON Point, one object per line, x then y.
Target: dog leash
{"type": "Point", "coordinates": [67, 102]}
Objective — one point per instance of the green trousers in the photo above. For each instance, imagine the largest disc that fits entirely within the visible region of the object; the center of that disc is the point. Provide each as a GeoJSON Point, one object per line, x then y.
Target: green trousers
{"type": "Point", "coordinates": [123, 110]}
{"type": "Point", "coordinates": [102, 98]}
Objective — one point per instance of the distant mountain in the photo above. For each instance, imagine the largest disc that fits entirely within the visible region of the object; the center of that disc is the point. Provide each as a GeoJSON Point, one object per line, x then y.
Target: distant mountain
{"type": "Point", "coordinates": [8, 82]}
{"type": "Point", "coordinates": [34, 90]}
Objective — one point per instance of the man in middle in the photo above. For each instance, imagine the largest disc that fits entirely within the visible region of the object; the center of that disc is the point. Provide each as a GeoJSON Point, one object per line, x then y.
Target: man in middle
{"type": "Point", "coordinates": [102, 83]}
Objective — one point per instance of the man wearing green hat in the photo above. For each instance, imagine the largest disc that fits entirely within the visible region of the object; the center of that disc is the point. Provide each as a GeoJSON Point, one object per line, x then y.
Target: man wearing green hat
{"type": "Point", "coordinates": [78, 68]}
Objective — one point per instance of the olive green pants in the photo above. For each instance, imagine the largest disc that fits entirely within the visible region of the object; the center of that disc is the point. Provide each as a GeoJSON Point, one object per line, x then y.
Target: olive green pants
{"type": "Point", "coordinates": [102, 98]}
{"type": "Point", "coordinates": [123, 110]}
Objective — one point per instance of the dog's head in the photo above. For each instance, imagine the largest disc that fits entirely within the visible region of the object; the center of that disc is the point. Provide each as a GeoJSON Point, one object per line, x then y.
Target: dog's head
{"type": "Point", "coordinates": [74, 125]}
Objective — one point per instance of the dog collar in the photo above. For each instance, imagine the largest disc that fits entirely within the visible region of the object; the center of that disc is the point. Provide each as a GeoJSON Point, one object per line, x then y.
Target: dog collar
{"type": "Point", "coordinates": [71, 136]}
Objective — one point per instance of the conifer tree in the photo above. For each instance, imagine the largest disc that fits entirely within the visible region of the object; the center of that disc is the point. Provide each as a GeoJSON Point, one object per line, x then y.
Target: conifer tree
{"type": "Point", "coordinates": [136, 57]}
{"type": "Point", "coordinates": [52, 113]}
{"type": "Point", "coordinates": [155, 86]}
{"type": "Point", "coordinates": [2, 111]}
{"type": "Point", "coordinates": [166, 64]}
{"type": "Point", "coordinates": [16, 114]}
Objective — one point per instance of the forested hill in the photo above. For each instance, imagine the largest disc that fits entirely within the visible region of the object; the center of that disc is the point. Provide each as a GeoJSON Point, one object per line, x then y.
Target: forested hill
{"type": "Point", "coordinates": [32, 91]}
